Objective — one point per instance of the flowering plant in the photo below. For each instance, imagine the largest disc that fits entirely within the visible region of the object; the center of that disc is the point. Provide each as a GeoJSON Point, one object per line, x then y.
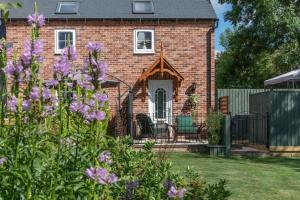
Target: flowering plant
{"type": "Point", "coordinates": [53, 140]}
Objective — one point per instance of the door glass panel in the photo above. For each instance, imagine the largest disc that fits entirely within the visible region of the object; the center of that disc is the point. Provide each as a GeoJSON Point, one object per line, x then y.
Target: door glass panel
{"type": "Point", "coordinates": [160, 103]}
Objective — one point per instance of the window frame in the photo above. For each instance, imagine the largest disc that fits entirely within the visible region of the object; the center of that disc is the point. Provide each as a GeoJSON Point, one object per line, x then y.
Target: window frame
{"type": "Point", "coordinates": [135, 44]}
{"type": "Point", "coordinates": [134, 11]}
{"type": "Point", "coordinates": [56, 42]}
{"type": "Point", "coordinates": [59, 4]}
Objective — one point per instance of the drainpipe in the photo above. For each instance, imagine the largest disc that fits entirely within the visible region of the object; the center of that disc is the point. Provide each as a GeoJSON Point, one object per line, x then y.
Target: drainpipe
{"type": "Point", "coordinates": [209, 57]}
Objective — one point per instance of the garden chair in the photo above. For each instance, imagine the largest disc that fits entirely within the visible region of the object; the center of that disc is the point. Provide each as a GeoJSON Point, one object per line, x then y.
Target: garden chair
{"type": "Point", "coordinates": [148, 128]}
{"type": "Point", "coordinates": [185, 126]}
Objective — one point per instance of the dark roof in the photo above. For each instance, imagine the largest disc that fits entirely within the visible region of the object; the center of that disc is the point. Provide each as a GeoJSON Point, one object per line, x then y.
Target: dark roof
{"type": "Point", "coordinates": [120, 9]}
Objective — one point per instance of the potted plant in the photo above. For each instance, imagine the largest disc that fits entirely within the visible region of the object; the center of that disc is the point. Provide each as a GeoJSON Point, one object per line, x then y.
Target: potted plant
{"type": "Point", "coordinates": [193, 101]}
{"type": "Point", "coordinates": [214, 127]}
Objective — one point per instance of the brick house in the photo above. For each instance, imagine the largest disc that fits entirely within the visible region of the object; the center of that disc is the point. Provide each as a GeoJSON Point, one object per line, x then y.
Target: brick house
{"type": "Point", "coordinates": [160, 51]}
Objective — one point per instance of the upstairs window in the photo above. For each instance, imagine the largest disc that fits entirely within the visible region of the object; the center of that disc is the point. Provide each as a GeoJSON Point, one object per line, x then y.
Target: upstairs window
{"type": "Point", "coordinates": [143, 7]}
{"type": "Point", "coordinates": [67, 7]}
{"type": "Point", "coordinates": [143, 41]}
{"type": "Point", "coordinates": [61, 39]}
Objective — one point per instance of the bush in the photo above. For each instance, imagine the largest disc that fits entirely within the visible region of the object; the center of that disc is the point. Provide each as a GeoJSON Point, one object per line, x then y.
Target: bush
{"type": "Point", "coordinates": [214, 126]}
{"type": "Point", "coordinates": [56, 146]}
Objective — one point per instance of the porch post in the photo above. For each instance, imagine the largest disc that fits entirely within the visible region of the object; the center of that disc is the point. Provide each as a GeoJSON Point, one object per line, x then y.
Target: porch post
{"type": "Point", "coordinates": [130, 112]}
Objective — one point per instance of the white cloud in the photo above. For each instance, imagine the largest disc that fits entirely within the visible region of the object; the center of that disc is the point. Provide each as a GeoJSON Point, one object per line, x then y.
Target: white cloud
{"type": "Point", "coordinates": [219, 8]}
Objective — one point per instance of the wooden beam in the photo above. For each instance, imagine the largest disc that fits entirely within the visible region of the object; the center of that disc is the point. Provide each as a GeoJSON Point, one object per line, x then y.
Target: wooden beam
{"type": "Point", "coordinates": [144, 91]}
{"type": "Point", "coordinates": [285, 148]}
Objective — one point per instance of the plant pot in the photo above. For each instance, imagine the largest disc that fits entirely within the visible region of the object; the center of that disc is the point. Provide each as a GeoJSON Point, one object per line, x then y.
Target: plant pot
{"type": "Point", "coordinates": [216, 150]}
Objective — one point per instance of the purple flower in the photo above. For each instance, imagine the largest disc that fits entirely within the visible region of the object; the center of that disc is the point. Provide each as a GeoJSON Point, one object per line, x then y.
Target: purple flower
{"type": "Point", "coordinates": [168, 184]}
{"type": "Point", "coordinates": [99, 115]}
{"type": "Point", "coordinates": [14, 71]}
{"type": "Point", "coordinates": [37, 48]}
{"type": "Point", "coordinates": [91, 173]}
{"type": "Point", "coordinates": [90, 116]}
{"type": "Point", "coordinates": [101, 175]}
{"type": "Point", "coordinates": [176, 193]}
{"type": "Point", "coordinates": [26, 105]}
{"type": "Point", "coordinates": [130, 185]}
{"type": "Point", "coordinates": [99, 70]}
{"type": "Point", "coordinates": [62, 68]}
{"type": "Point", "coordinates": [35, 93]}
{"type": "Point", "coordinates": [47, 110]}
{"type": "Point", "coordinates": [105, 157]}
{"type": "Point", "coordinates": [51, 83]}
{"type": "Point", "coordinates": [74, 107]}
{"type": "Point", "coordinates": [83, 80]}
{"type": "Point", "coordinates": [36, 20]}
{"type": "Point", "coordinates": [27, 73]}
{"type": "Point", "coordinates": [9, 51]}
{"type": "Point", "coordinates": [70, 53]}
{"type": "Point", "coordinates": [91, 102]}
{"type": "Point", "coordinates": [46, 94]}
{"type": "Point", "coordinates": [101, 98]}
{"type": "Point", "coordinates": [10, 68]}
{"type": "Point", "coordinates": [12, 104]}
{"type": "Point", "coordinates": [112, 178]}
{"type": "Point", "coordinates": [107, 178]}
{"type": "Point", "coordinates": [26, 57]}
{"type": "Point", "coordinates": [84, 109]}
{"type": "Point", "coordinates": [94, 47]}
{"type": "Point", "coordinates": [2, 160]}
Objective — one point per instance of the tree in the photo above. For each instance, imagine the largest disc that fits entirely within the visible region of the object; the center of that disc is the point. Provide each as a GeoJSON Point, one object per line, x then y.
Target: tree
{"type": "Point", "coordinates": [4, 8]}
{"type": "Point", "coordinates": [265, 41]}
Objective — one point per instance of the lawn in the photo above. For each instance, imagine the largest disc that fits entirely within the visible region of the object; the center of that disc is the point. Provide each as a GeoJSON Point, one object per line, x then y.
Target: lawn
{"type": "Point", "coordinates": [248, 178]}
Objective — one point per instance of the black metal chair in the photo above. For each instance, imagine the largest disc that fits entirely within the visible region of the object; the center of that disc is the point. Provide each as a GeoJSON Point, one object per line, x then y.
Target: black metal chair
{"type": "Point", "coordinates": [150, 129]}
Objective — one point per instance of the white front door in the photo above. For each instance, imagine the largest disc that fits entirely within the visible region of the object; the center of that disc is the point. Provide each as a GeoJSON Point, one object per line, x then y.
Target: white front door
{"type": "Point", "coordinates": [160, 100]}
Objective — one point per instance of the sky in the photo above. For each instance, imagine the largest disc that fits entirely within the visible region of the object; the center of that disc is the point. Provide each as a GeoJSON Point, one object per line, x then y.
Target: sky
{"type": "Point", "coordinates": [220, 10]}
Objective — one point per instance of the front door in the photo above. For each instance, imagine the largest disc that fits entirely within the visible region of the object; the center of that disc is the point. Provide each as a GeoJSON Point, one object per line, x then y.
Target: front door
{"type": "Point", "coordinates": [160, 100]}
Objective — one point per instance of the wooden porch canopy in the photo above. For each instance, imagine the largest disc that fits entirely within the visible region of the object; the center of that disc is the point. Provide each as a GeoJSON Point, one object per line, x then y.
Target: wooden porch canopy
{"type": "Point", "coordinates": [161, 67]}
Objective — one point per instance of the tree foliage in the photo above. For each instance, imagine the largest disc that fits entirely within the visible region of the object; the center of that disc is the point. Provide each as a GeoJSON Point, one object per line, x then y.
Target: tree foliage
{"type": "Point", "coordinates": [265, 41]}
{"type": "Point", "coordinates": [4, 7]}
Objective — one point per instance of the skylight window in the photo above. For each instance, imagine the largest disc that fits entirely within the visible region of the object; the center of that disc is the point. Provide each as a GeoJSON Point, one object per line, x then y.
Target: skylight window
{"type": "Point", "coordinates": [67, 7]}
{"type": "Point", "coordinates": [143, 6]}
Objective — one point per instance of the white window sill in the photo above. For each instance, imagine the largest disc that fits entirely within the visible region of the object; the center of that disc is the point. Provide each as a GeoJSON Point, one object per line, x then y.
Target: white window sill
{"type": "Point", "coordinates": [58, 52]}
{"type": "Point", "coordinates": [144, 52]}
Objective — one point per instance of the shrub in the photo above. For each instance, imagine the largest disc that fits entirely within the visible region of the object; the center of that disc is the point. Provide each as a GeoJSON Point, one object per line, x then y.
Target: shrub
{"type": "Point", "coordinates": [214, 126]}
{"type": "Point", "coordinates": [56, 146]}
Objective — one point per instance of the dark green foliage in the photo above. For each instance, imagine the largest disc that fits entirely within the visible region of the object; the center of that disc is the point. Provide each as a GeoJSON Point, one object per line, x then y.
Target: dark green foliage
{"type": "Point", "coordinates": [4, 7]}
{"type": "Point", "coordinates": [264, 42]}
{"type": "Point", "coordinates": [217, 191]}
{"type": "Point", "coordinates": [214, 124]}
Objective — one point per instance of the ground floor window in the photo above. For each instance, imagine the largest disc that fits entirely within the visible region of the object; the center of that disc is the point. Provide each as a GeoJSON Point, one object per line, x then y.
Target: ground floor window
{"type": "Point", "coordinates": [61, 39]}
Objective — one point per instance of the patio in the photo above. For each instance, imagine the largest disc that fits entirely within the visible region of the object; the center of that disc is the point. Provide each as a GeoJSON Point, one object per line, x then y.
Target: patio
{"type": "Point", "coordinates": [169, 130]}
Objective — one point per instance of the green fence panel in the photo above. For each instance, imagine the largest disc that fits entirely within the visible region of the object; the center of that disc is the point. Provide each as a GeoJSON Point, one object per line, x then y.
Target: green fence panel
{"type": "Point", "coordinates": [238, 99]}
{"type": "Point", "coordinates": [285, 118]}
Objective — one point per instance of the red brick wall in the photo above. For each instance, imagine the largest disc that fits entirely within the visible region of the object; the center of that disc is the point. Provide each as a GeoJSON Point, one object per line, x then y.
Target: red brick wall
{"type": "Point", "coordinates": [185, 47]}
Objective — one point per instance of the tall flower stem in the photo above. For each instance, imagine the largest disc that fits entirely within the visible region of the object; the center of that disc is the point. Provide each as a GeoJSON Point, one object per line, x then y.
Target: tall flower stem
{"type": "Point", "coordinates": [60, 133]}
{"type": "Point", "coordinates": [2, 102]}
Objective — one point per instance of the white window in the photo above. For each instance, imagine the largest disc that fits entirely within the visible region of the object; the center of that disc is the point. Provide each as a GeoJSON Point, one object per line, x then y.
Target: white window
{"type": "Point", "coordinates": [143, 41]}
{"type": "Point", "coordinates": [61, 39]}
{"type": "Point", "coordinates": [67, 7]}
{"type": "Point", "coordinates": [144, 7]}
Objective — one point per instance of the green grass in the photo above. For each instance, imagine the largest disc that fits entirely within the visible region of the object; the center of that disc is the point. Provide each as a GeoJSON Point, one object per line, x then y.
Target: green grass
{"type": "Point", "coordinates": [248, 178]}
